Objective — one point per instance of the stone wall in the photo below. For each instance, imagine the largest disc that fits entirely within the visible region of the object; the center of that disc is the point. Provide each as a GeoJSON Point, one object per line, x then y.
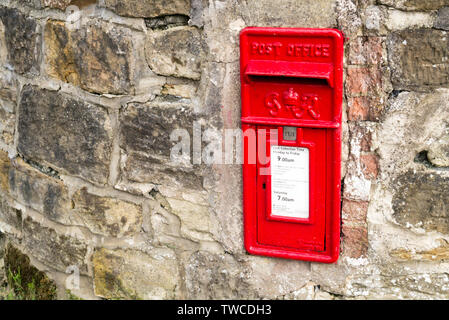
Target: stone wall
{"type": "Point", "coordinates": [90, 94]}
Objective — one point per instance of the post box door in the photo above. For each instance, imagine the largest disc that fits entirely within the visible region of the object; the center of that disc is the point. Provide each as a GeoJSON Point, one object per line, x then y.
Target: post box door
{"type": "Point", "coordinates": [290, 205]}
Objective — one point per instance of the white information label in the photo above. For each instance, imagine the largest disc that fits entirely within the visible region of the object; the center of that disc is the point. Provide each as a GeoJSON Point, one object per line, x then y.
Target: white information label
{"type": "Point", "coordinates": [290, 182]}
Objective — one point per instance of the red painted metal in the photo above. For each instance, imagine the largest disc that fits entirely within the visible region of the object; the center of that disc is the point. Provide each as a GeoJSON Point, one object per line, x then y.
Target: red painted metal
{"type": "Point", "coordinates": [292, 77]}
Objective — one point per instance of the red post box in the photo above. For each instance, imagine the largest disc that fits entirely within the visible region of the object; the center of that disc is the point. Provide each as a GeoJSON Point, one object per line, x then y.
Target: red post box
{"type": "Point", "coordinates": [291, 118]}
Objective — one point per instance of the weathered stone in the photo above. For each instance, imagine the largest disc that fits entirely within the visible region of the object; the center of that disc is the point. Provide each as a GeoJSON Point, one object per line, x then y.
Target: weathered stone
{"type": "Point", "coordinates": [10, 215]}
{"type": "Point", "coordinates": [32, 284]}
{"type": "Point", "coordinates": [59, 4]}
{"type": "Point", "coordinates": [5, 167]}
{"type": "Point", "coordinates": [377, 104]}
{"type": "Point", "coordinates": [438, 154]}
{"type": "Point", "coordinates": [421, 200]}
{"type": "Point", "coordinates": [54, 4]}
{"type": "Point", "coordinates": [149, 169]}
{"type": "Point", "coordinates": [147, 128]}
{"type": "Point", "coordinates": [222, 24]}
{"type": "Point", "coordinates": [179, 90]}
{"type": "Point", "coordinates": [39, 191]}
{"type": "Point", "coordinates": [373, 18]}
{"type": "Point", "coordinates": [54, 249]}
{"type": "Point", "coordinates": [33, 3]}
{"type": "Point", "coordinates": [400, 284]}
{"type": "Point", "coordinates": [59, 52]}
{"type": "Point", "coordinates": [413, 125]}
{"type": "Point", "coordinates": [3, 280]}
{"type": "Point", "coordinates": [166, 226]}
{"type": "Point", "coordinates": [176, 52]}
{"type": "Point", "coordinates": [145, 136]}
{"type": "Point", "coordinates": [356, 186]}
{"type": "Point", "coordinates": [195, 219]}
{"type": "Point", "coordinates": [148, 8]}
{"type": "Point", "coordinates": [103, 57]}
{"type": "Point", "coordinates": [400, 20]}
{"type": "Point", "coordinates": [165, 22]}
{"type": "Point", "coordinates": [7, 121]}
{"type": "Point", "coordinates": [81, 3]}
{"type": "Point", "coordinates": [107, 216]}
{"type": "Point", "coordinates": [8, 100]}
{"type": "Point", "coordinates": [49, 196]}
{"type": "Point", "coordinates": [276, 278]}
{"type": "Point", "coordinates": [197, 12]}
{"type": "Point", "coordinates": [411, 193]}
{"type": "Point", "coordinates": [77, 138]}
{"type": "Point", "coordinates": [442, 20]}
{"type": "Point", "coordinates": [290, 13]}
{"type": "Point", "coordinates": [366, 50]}
{"type": "Point", "coordinates": [226, 207]}
{"type": "Point", "coordinates": [131, 274]}
{"type": "Point", "coordinates": [419, 59]}
{"type": "Point", "coordinates": [22, 40]}
{"type": "Point", "coordinates": [432, 284]}
{"type": "Point", "coordinates": [3, 46]}
{"type": "Point", "coordinates": [95, 57]}
{"type": "Point", "coordinates": [44, 194]}
{"type": "Point", "coordinates": [8, 91]}
{"type": "Point", "coordinates": [440, 253]}
{"type": "Point", "coordinates": [216, 276]}
{"type": "Point", "coordinates": [416, 5]}
{"type": "Point", "coordinates": [365, 136]}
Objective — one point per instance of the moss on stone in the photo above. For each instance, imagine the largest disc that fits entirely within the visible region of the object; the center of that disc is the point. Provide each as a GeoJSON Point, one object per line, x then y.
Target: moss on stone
{"type": "Point", "coordinates": [33, 284]}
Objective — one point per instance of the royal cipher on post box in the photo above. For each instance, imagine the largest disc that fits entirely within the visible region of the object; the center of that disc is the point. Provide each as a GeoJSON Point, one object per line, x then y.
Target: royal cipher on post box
{"type": "Point", "coordinates": [291, 81]}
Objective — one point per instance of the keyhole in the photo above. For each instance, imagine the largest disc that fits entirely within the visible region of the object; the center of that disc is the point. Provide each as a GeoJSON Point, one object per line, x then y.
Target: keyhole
{"type": "Point", "coordinates": [264, 185]}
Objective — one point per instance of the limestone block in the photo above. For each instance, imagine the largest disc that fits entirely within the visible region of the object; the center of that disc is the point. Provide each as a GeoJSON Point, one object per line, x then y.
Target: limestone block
{"type": "Point", "coordinates": [77, 137]}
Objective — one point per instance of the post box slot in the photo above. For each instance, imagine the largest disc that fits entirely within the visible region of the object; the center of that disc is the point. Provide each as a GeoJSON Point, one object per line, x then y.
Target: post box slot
{"type": "Point", "coordinates": [290, 80]}
{"type": "Point", "coordinates": [290, 69]}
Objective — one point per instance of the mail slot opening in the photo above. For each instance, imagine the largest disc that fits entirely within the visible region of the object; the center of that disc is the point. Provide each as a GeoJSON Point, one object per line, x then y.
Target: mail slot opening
{"type": "Point", "coordinates": [291, 80]}
{"type": "Point", "coordinates": [291, 69]}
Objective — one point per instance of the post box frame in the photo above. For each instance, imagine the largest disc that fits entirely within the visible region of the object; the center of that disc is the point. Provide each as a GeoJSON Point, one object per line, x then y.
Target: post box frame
{"type": "Point", "coordinates": [333, 74]}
